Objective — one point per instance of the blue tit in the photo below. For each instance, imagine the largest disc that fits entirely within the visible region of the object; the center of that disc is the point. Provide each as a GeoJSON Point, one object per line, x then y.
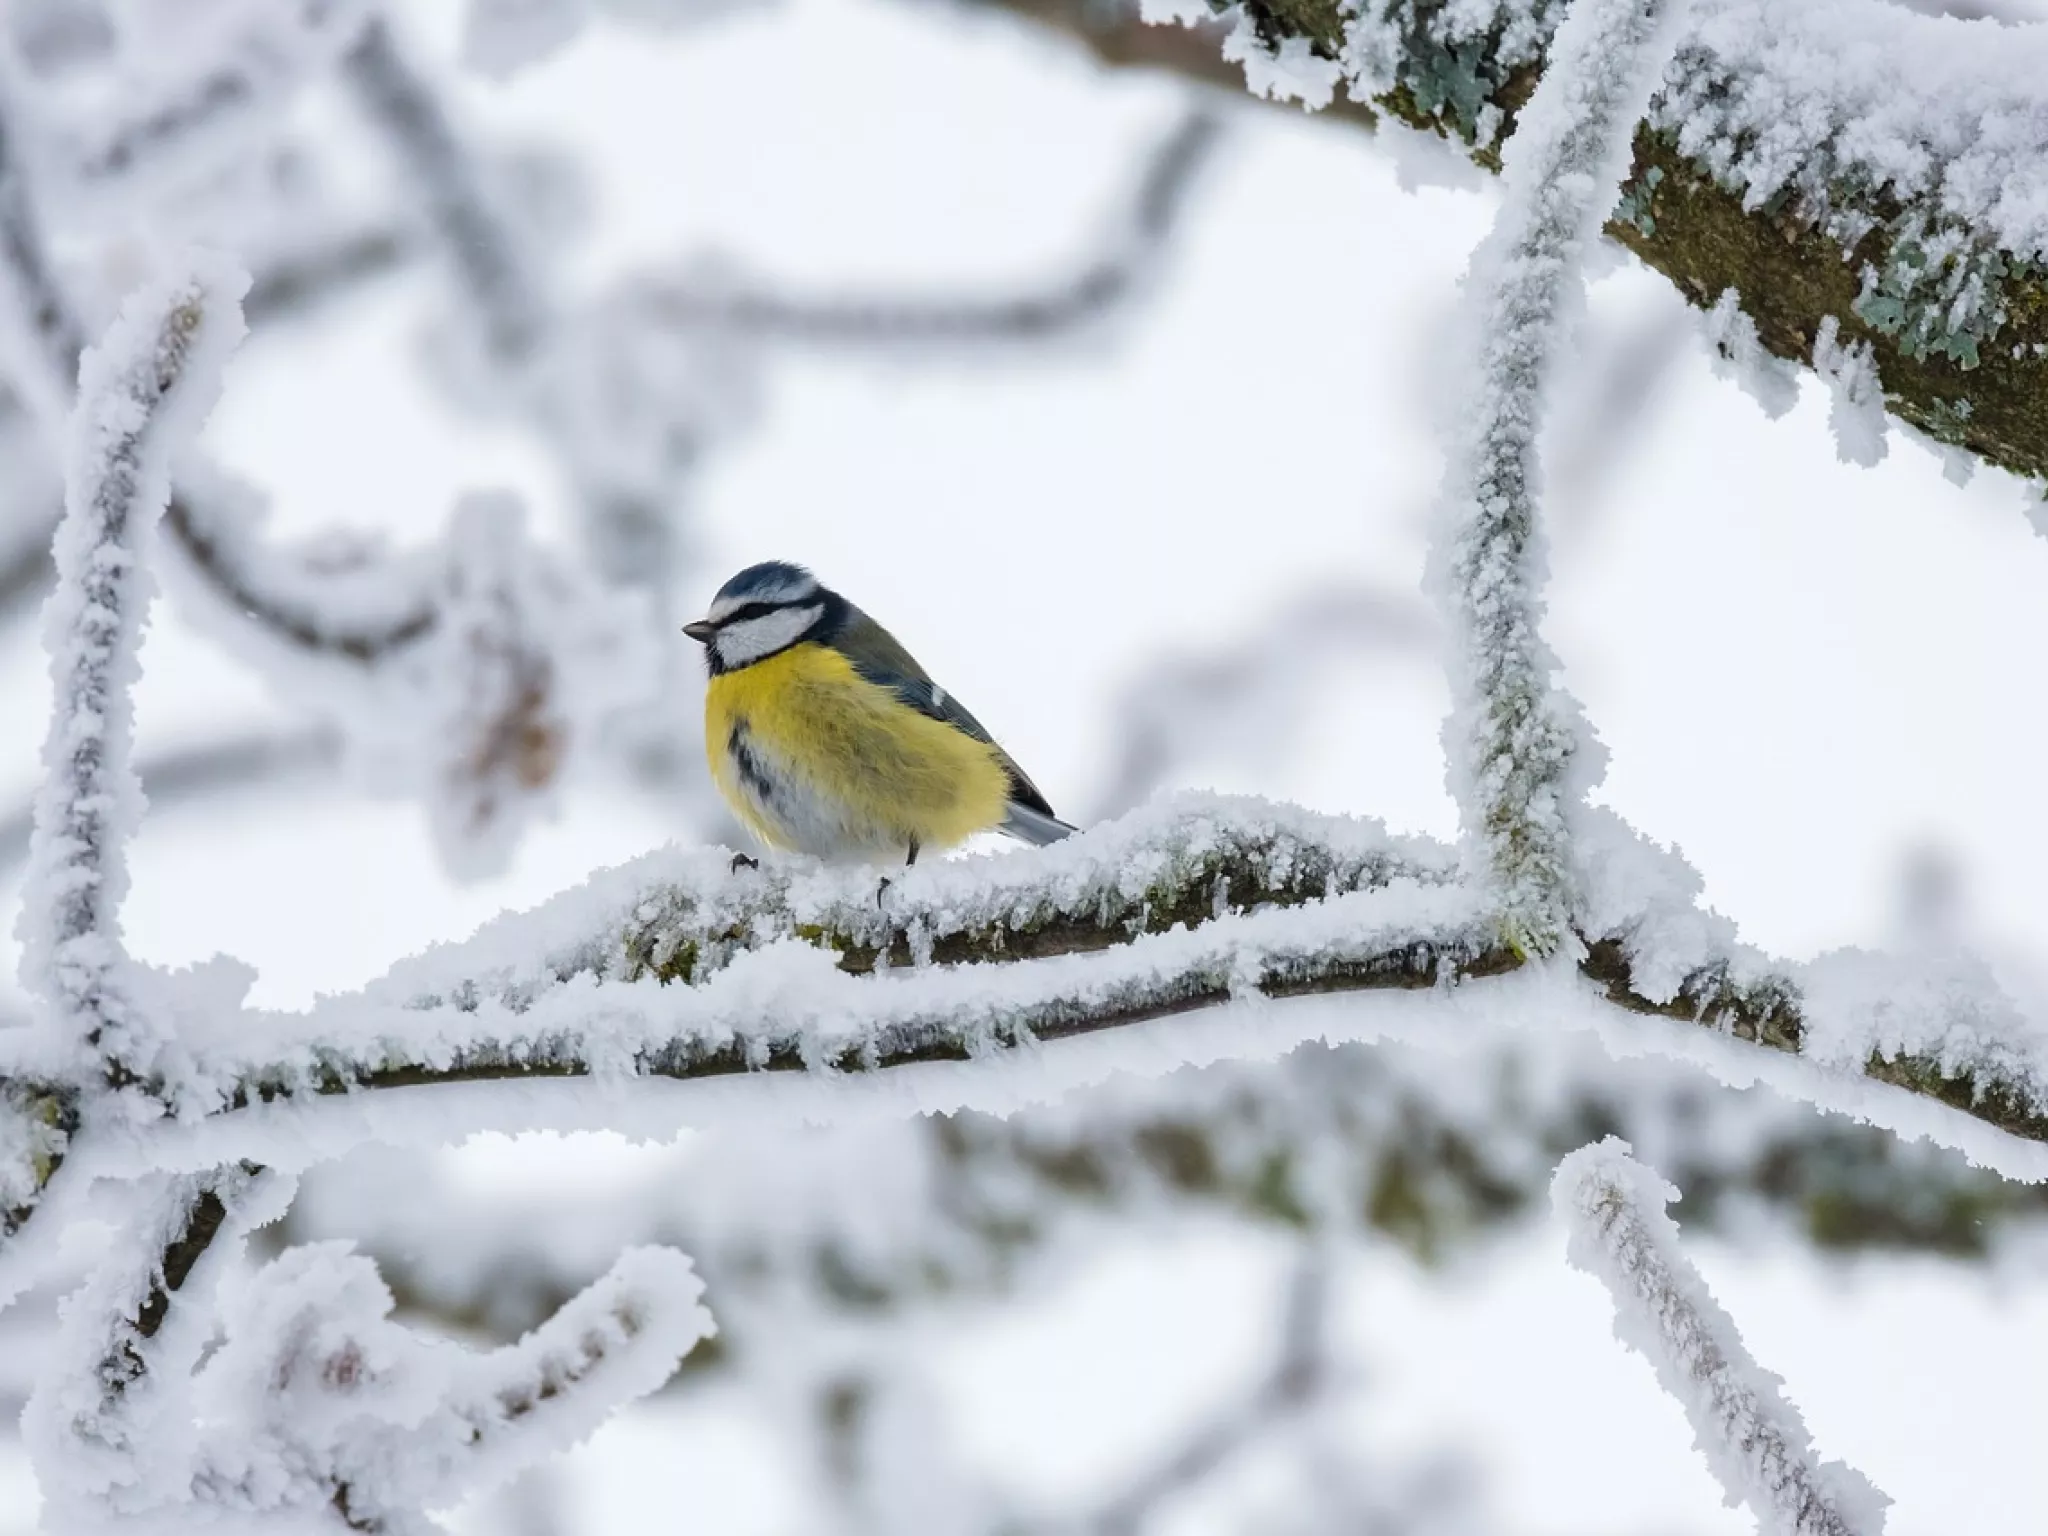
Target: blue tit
{"type": "Point", "coordinates": [827, 737]}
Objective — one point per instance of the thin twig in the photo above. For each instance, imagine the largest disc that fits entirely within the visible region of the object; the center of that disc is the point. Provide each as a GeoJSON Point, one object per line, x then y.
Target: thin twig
{"type": "Point", "coordinates": [1298, 1375]}
{"type": "Point", "coordinates": [1156, 209]}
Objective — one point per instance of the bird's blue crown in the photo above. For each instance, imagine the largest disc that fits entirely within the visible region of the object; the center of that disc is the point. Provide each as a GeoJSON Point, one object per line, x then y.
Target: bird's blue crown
{"type": "Point", "coordinates": [772, 581]}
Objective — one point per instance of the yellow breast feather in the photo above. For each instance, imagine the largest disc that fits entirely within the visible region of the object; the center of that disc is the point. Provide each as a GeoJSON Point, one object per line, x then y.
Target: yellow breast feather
{"type": "Point", "coordinates": [828, 741]}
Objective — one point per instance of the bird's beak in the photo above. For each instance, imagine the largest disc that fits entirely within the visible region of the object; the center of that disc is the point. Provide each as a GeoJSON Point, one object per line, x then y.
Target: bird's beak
{"type": "Point", "coordinates": [701, 631]}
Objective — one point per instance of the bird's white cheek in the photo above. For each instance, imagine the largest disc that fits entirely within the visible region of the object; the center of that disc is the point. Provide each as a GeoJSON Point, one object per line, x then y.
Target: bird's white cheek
{"type": "Point", "coordinates": [748, 640]}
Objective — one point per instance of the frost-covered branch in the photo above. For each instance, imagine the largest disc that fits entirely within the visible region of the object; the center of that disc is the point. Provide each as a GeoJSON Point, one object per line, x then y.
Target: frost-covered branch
{"type": "Point", "coordinates": [352, 605]}
{"type": "Point", "coordinates": [318, 1404]}
{"type": "Point", "coordinates": [108, 1422]}
{"type": "Point", "coordinates": [1516, 743]}
{"type": "Point", "coordinates": [315, 1404]}
{"type": "Point", "coordinates": [354, 615]}
{"type": "Point", "coordinates": [143, 391]}
{"type": "Point", "coordinates": [1753, 1440]}
{"type": "Point", "coordinates": [1131, 251]}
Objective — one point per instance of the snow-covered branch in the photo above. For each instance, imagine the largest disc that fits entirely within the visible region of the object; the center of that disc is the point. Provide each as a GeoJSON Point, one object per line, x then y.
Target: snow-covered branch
{"type": "Point", "coordinates": [1753, 1440]}
{"type": "Point", "coordinates": [108, 1422]}
{"type": "Point", "coordinates": [318, 1404]}
{"type": "Point", "coordinates": [315, 1404]}
{"type": "Point", "coordinates": [1520, 760]}
{"type": "Point", "coordinates": [143, 391]}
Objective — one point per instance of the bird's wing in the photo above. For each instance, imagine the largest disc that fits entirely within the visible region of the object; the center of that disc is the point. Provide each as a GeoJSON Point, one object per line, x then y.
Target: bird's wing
{"type": "Point", "coordinates": [880, 657]}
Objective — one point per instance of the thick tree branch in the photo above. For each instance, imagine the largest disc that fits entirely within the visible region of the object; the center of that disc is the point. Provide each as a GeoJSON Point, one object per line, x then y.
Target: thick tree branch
{"type": "Point", "coordinates": [1954, 306]}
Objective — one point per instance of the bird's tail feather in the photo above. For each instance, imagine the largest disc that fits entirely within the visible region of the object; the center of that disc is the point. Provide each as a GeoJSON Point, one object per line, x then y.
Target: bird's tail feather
{"type": "Point", "coordinates": [1034, 827]}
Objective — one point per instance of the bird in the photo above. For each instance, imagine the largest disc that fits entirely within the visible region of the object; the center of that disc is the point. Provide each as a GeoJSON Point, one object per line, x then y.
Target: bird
{"type": "Point", "coordinates": [827, 738]}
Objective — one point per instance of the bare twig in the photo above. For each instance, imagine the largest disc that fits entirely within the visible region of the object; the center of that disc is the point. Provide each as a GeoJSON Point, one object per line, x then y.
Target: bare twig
{"type": "Point", "coordinates": [1183, 704]}
{"type": "Point", "coordinates": [494, 276]}
{"type": "Point", "coordinates": [300, 613]}
{"type": "Point", "coordinates": [1142, 231]}
{"type": "Point", "coordinates": [1299, 1374]}
{"type": "Point", "coordinates": [204, 770]}
{"type": "Point", "coordinates": [303, 279]}
{"type": "Point", "coordinates": [36, 307]}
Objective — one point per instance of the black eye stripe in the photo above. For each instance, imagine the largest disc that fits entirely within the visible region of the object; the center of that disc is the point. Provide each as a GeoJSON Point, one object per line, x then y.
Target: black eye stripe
{"type": "Point", "coordinates": [753, 611]}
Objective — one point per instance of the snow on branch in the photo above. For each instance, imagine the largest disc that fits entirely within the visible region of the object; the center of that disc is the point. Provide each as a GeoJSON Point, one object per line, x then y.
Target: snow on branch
{"type": "Point", "coordinates": [694, 970]}
{"type": "Point", "coordinates": [315, 1403]}
{"type": "Point", "coordinates": [143, 392]}
{"type": "Point", "coordinates": [468, 673]}
{"type": "Point", "coordinates": [1520, 760]}
{"type": "Point", "coordinates": [347, 601]}
{"type": "Point", "coordinates": [1754, 1441]}
{"type": "Point", "coordinates": [108, 1422]}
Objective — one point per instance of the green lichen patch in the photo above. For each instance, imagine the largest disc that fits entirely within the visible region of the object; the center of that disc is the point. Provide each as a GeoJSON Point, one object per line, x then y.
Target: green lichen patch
{"type": "Point", "coordinates": [1938, 292]}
